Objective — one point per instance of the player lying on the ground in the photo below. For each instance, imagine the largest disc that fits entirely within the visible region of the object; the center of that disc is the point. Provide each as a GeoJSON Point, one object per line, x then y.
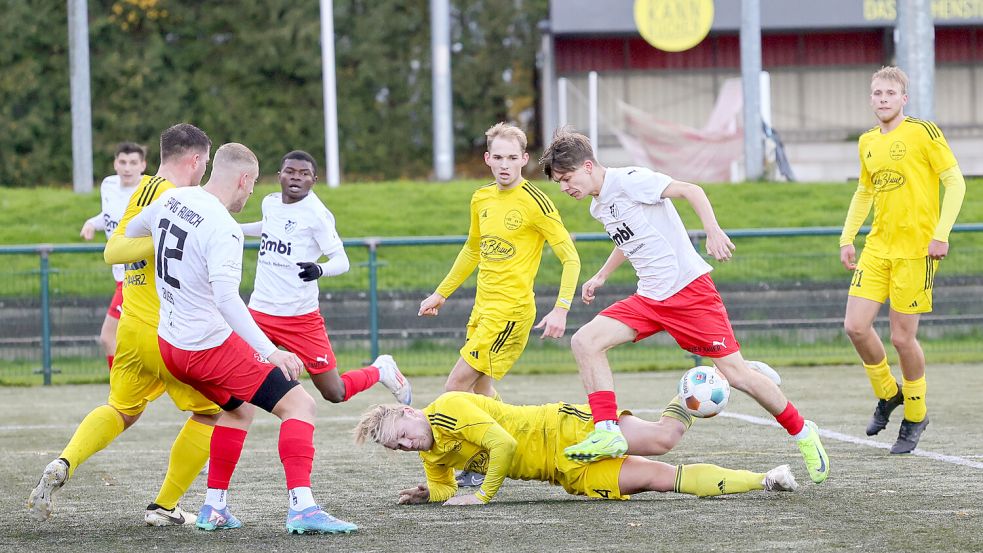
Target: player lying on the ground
{"type": "Point", "coordinates": [474, 432]}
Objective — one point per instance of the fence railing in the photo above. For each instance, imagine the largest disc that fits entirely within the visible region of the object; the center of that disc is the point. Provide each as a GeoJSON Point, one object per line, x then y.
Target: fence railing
{"type": "Point", "coordinates": [753, 284]}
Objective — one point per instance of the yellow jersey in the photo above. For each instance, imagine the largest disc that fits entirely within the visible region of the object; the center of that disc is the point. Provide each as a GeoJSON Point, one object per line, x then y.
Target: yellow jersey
{"type": "Point", "coordinates": [505, 242]}
{"type": "Point", "coordinates": [477, 433]}
{"type": "Point", "coordinates": [140, 299]}
{"type": "Point", "coordinates": [900, 170]}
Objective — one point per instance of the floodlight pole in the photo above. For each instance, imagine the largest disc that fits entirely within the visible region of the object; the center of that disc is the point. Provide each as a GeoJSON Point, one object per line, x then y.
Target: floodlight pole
{"type": "Point", "coordinates": [914, 37]}
{"type": "Point", "coordinates": [330, 91]}
{"type": "Point", "coordinates": [751, 87]}
{"type": "Point", "coordinates": [78, 67]}
{"type": "Point", "coordinates": [443, 137]}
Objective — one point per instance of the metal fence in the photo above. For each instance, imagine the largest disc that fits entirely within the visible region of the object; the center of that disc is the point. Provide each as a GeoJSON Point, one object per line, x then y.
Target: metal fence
{"type": "Point", "coordinates": [785, 291]}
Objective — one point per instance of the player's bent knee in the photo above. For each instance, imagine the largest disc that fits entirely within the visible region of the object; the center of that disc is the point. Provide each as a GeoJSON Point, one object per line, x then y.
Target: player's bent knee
{"type": "Point", "coordinates": [582, 342]}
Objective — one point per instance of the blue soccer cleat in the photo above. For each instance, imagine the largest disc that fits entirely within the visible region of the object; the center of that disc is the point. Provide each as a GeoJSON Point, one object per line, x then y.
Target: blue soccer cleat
{"type": "Point", "coordinates": [211, 519]}
{"type": "Point", "coordinates": [313, 520]}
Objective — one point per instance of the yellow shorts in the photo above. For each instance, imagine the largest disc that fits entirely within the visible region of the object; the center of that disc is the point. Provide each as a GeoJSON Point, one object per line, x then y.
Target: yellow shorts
{"type": "Point", "coordinates": [495, 343]}
{"type": "Point", "coordinates": [598, 479]}
{"type": "Point", "coordinates": [139, 376]}
{"type": "Point", "coordinates": [907, 282]}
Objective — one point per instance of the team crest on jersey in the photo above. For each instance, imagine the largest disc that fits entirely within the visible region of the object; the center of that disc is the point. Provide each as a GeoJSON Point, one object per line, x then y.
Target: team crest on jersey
{"type": "Point", "coordinates": [898, 150]}
{"type": "Point", "coordinates": [290, 226]}
{"type": "Point", "coordinates": [887, 180]}
{"type": "Point", "coordinates": [614, 210]}
{"type": "Point", "coordinates": [494, 248]}
{"type": "Point", "coordinates": [513, 220]}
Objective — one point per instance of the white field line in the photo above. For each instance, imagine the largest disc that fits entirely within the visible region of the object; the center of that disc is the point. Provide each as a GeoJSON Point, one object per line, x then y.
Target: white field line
{"type": "Point", "coordinates": [953, 459]}
{"type": "Point", "coordinates": [833, 435]}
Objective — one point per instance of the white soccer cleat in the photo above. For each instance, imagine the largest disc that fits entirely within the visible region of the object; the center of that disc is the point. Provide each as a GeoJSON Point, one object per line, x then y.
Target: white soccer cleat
{"type": "Point", "coordinates": [780, 479]}
{"type": "Point", "coordinates": [39, 503]}
{"type": "Point", "coordinates": [391, 378]}
{"type": "Point", "coordinates": [159, 516]}
{"type": "Point", "coordinates": [765, 369]}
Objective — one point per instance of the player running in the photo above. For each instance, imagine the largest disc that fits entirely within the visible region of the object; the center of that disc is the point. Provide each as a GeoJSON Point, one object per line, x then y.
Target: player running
{"type": "Point", "coordinates": [461, 430]}
{"type": "Point", "coordinates": [139, 375]}
{"type": "Point", "coordinates": [675, 292]}
{"type": "Point", "coordinates": [296, 230]}
{"type": "Point", "coordinates": [902, 160]}
{"type": "Point", "coordinates": [209, 341]}
{"type": "Point", "coordinates": [130, 162]}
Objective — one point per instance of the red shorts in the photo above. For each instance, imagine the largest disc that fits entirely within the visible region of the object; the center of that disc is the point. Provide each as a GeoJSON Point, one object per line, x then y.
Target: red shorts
{"type": "Point", "coordinates": [116, 304]}
{"type": "Point", "coordinates": [232, 371]}
{"type": "Point", "coordinates": [695, 316]}
{"type": "Point", "coordinates": [303, 335]}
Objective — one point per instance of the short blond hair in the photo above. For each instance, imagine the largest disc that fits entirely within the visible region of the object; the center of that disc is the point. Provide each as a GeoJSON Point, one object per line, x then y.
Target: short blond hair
{"type": "Point", "coordinates": [894, 74]}
{"type": "Point", "coordinates": [506, 130]}
{"type": "Point", "coordinates": [378, 424]}
{"type": "Point", "coordinates": [238, 156]}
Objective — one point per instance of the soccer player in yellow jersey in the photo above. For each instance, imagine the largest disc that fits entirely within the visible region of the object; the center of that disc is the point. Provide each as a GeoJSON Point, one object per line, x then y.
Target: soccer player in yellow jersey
{"type": "Point", "coordinates": [510, 221]}
{"type": "Point", "coordinates": [139, 375]}
{"type": "Point", "coordinates": [902, 160]}
{"type": "Point", "coordinates": [461, 430]}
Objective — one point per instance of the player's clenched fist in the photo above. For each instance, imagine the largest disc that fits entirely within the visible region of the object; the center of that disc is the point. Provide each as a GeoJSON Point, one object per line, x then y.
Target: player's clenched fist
{"type": "Point", "coordinates": [590, 287]}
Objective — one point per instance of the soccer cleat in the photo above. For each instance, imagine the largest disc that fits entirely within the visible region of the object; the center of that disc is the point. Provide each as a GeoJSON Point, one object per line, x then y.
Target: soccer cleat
{"type": "Point", "coordinates": [765, 369]}
{"type": "Point", "coordinates": [54, 476]}
{"type": "Point", "coordinates": [468, 479]}
{"type": "Point", "coordinates": [159, 516]}
{"type": "Point", "coordinates": [313, 520]}
{"type": "Point", "coordinates": [391, 378]}
{"type": "Point", "coordinates": [817, 462]}
{"type": "Point", "coordinates": [879, 420]}
{"type": "Point", "coordinates": [908, 436]}
{"type": "Point", "coordinates": [599, 444]}
{"type": "Point", "coordinates": [780, 479]}
{"type": "Point", "coordinates": [211, 519]}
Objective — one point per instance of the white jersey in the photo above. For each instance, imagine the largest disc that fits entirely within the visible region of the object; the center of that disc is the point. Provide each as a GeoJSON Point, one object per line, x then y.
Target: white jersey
{"type": "Point", "coordinates": [292, 233]}
{"type": "Point", "coordinates": [196, 243]}
{"type": "Point", "coordinates": [647, 229]}
{"type": "Point", "coordinates": [115, 198]}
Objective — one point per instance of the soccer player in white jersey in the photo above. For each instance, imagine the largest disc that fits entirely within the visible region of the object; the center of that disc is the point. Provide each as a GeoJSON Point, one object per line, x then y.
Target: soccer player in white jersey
{"type": "Point", "coordinates": [296, 230]}
{"type": "Point", "coordinates": [675, 292]}
{"type": "Point", "coordinates": [130, 162]}
{"type": "Point", "coordinates": [209, 341]}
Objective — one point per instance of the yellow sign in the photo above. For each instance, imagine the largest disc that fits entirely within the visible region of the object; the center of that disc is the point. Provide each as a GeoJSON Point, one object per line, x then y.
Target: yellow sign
{"type": "Point", "coordinates": [673, 25]}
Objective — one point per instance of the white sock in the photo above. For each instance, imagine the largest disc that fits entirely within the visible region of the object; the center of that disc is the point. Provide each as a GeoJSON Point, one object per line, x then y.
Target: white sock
{"type": "Point", "coordinates": [301, 498]}
{"type": "Point", "coordinates": [804, 433]}
{"type": "Point", "coordinates": [607, 425]}
{"type": "Point", "coordinates": [216, 498]}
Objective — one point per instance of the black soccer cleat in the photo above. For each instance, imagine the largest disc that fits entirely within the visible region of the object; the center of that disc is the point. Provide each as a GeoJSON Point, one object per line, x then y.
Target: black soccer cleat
{"type": "Point", "coordinates": [879, 420]}
{"type": "Point", "coordinates": [908, 436]}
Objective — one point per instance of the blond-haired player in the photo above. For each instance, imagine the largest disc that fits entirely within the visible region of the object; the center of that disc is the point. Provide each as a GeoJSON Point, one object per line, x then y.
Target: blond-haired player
{"type": "Point", "coordinates": [139, 375]}
{"type": "Point", "coordinates": [510, 221]}
{"type": "Point", "coordinates": [461, 430]}
{"type": "Point", "coordinates": [902, 160]}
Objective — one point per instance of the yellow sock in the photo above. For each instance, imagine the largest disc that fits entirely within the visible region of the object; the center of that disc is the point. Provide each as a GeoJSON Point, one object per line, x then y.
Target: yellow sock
{"type": "Point", "coordinates": [881, 380]}
{"type": "Point", "coordinates": [97, 430]}
{"type": "Point", "coordinates": [188, 456]}
{"type": "Point", "coordinates": [914, 399]}
{"type": "Point", "coordinates": [706, 480]}
{"type": "Point", "coordinates": [675, 410]}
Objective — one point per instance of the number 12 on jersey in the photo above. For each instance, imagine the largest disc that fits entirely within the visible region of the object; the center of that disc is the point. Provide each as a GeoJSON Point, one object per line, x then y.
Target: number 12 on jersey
{"type": "Point", "coordinates": [164, 253]}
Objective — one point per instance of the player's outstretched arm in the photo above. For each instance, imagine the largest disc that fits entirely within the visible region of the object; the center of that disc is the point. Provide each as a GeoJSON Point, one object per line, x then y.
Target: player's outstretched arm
{"type": "Point", "coordinates": [718, 243]}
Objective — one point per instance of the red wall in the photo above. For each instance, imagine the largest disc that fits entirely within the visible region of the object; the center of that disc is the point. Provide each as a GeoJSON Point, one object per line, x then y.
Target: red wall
{"type": "Point", "coordinates": [575, 55]}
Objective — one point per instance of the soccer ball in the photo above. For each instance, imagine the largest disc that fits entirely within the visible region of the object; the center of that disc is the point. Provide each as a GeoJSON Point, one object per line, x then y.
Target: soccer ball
{"type": "Point", "coordinates": [704, 391]}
